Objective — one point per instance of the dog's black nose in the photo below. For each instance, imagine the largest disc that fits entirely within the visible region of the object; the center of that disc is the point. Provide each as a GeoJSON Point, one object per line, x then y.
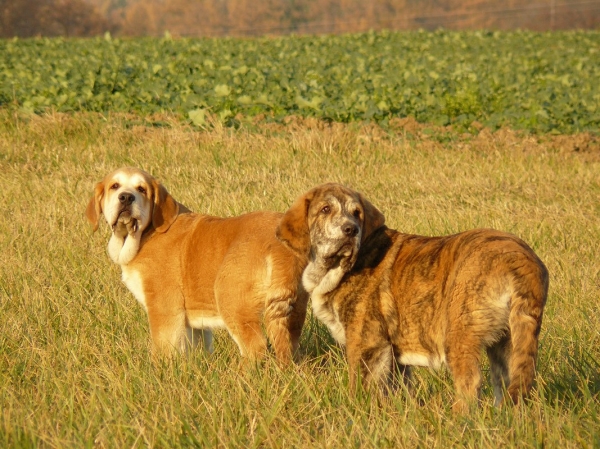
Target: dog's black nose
{"type": "Point", "coordinates": [126, 198]}
{"type": "Point", "coordinates": [350, 229]}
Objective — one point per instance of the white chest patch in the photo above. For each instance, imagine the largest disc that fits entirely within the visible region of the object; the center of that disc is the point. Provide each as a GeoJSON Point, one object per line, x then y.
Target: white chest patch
{"type": "Point", "coordinates": [122, 251]}
{"type": "Point", "coordinates": [330, 318]}
{"type": "Point", "coordinates": [318, 292]}
{"type": "Point", "coordinates": [133, 281]}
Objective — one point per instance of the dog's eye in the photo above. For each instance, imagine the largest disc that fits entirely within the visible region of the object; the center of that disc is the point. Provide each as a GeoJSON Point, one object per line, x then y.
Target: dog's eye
{"type": "Point", "coordinates": [357, 213]}
{"type": "Point", "coordinates": [115, 186]}
{"type": "Point", "coordinates": [141, 190]}
{"type": "Point", "coordinates": [325, 210]}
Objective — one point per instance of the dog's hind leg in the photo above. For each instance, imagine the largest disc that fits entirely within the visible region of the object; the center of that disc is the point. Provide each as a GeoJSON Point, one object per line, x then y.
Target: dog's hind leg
{"type": "Point", "coordinates": [284, 317]}
{"type": "Point", "coordinates": [463, 359]}
{"type": "Point", "coordinates": [402, 378]}
{"type": "Point", "coordinates": [242, 316]}
{"type": "Point", "coordinates": [249, 337]}
{"type": "Point", "coordinates": [525, 321]}
{"type": "Point", "coordinates": [372, 365]}
{"type": "Point", "coordinates": [168, 331]}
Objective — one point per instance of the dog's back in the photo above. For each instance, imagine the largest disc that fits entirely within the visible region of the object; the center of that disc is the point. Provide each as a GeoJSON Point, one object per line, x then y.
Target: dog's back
{"type": "Point", "coordinates": [442, 300]}
{"type": "Point", "coordinates": [232, 273]}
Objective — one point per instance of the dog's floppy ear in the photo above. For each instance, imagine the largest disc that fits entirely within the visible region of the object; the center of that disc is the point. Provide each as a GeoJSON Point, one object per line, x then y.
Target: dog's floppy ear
{"type": "Point", "coordinates": [293, 228]}
{"type": "Point", "coordinates": [165, 209]}
{"type": "Point", "coordinates": [94, 207]}
{"type": "Point", "coordinates": [374, 219]}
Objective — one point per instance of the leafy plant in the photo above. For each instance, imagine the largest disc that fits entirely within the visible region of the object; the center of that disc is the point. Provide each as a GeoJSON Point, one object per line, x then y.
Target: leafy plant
{"type": "Point", "coordinates": [539, 82]}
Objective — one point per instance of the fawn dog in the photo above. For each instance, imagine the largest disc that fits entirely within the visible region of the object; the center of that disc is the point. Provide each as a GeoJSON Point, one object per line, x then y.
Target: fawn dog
{"type": "Point", "coordinates": [194, 272]}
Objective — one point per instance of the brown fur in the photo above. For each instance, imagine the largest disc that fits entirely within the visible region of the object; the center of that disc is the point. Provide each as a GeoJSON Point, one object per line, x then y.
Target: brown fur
{"type": "Point", "coordinates": [426, 301]}
{"type": "Point", "coordinates": [193, 271]}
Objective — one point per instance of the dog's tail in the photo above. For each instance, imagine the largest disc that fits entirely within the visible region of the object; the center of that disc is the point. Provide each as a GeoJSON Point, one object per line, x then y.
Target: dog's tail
{"type": "Point", "coordinates": [525, 322]}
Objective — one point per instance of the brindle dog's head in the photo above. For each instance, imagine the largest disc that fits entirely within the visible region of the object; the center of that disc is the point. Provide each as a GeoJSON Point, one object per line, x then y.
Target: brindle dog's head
{"type": "Point", "coordinates": [328, 223]}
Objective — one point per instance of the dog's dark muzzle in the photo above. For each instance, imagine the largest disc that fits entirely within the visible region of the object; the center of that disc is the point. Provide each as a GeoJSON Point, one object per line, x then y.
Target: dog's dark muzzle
{"type": "Point", "coordinates": [126, 198]}
{"type": "Point", "coordinates": [350, 230]}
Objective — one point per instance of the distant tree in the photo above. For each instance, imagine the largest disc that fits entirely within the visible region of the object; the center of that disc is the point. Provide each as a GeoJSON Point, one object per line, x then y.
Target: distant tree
{"type": "Point", "coordinates": [199, 18]}
{"type": "Point", "coordinates": [73, 18]}
{"type": "Point", "coordinates": [21, 18]}
{"type": "Point", "coordinates": [251, 18]}
{"type": "Point", "coordinates": [299, 13]}
{"type": "Point", "coordinates": [27, 18]}
{"type": "Point", "coordinates": [139, 20]}
{"type": "Point", "coordinates": [257, 17]}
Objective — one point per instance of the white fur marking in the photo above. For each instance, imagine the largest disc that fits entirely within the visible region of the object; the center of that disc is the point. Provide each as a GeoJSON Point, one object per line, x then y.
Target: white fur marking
{"type": "Point", "coordinates": [206, 322]}
{"type": "Point", "coordinates": [504, 299]}
{"type": "Point", "coordinates": [130, 248]}
{"type": "Point", "coordinates": [238, 342]}
{"type": "Point", "coordinates": [329, 317]}
{"type": "Point", "coordinates": [123, 251]}
{"type": "Point", "coordinates": [327, 283]}
{"type": "Point", "coordinates": [269, 273]}
{"type": "Point", "coordinates": [416, 359]}
{"type": "Point", "coordinates": [133, 281]}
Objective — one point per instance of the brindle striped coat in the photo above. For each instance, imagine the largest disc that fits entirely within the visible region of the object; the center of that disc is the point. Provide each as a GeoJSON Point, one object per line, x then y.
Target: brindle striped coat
{"type": "Point", "coordinates": [426, 301]}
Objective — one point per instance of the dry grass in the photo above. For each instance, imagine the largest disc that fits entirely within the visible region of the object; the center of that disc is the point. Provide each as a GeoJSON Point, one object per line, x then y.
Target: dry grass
{"type": "Point", "coordinates": [75, 369]}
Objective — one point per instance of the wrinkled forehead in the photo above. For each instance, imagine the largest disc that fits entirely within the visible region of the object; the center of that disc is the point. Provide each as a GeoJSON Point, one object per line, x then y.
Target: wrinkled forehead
{"type": "Point", "coordinates": [127, 179]}
{"type": "Point", "coordinates": [341, 199]}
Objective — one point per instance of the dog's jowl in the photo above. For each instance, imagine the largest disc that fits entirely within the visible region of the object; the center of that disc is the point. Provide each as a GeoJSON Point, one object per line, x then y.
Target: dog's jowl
{"type": "Point", "coordinates": [397, 300]}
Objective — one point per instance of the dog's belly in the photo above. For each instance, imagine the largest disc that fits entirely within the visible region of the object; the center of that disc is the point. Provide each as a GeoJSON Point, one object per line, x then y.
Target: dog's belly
{"type": "Point", "coordinates": [422, 359]}
{"type": "Point", "coordinates": [198, 319]}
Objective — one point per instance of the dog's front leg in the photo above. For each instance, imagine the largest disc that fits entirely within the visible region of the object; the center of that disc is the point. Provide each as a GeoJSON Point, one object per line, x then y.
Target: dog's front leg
{"type": "Point", "coordinates": [371, 365]}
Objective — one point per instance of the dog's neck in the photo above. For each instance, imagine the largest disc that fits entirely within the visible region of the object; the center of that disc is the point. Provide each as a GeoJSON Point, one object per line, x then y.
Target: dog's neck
{"type": "Point", "coordinates": [319, 281]}
{"type": "Point", "coordinates": [124, 246]}
{"type": "Point", "coordinates": [321, 276]}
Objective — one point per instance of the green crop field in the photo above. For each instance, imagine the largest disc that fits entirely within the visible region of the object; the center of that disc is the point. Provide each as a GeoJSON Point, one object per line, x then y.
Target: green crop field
{"type": "Point", "coordinates": [541, 82]}
{"type": "Point", "coordinates": [233, 125]}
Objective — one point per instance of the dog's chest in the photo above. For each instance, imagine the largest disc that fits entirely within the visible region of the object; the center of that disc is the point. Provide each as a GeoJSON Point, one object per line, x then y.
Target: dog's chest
{"type": "Point", "coordinates": [133, 280]}
{"type": "Point", "coordinates": [326, 313]}
{"type": "Point", "coordinates": [323, 309]}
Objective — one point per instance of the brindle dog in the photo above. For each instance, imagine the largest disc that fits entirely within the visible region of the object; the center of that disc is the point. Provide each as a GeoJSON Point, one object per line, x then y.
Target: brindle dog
{"type": "Point", "coordinates": [399, 299]}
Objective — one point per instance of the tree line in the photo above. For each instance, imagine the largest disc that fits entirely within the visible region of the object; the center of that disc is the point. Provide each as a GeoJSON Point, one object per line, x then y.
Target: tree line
{"type": "Point", "coordinates": [27, 18]}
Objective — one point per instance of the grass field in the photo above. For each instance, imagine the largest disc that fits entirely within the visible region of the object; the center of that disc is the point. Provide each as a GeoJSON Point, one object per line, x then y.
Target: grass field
{"type": "Point", "coordinates": [75, 366]}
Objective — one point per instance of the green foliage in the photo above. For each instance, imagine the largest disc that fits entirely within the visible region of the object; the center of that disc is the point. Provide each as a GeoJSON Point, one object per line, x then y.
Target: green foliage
{"type": "Point", "coordinates": [540, 82]}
